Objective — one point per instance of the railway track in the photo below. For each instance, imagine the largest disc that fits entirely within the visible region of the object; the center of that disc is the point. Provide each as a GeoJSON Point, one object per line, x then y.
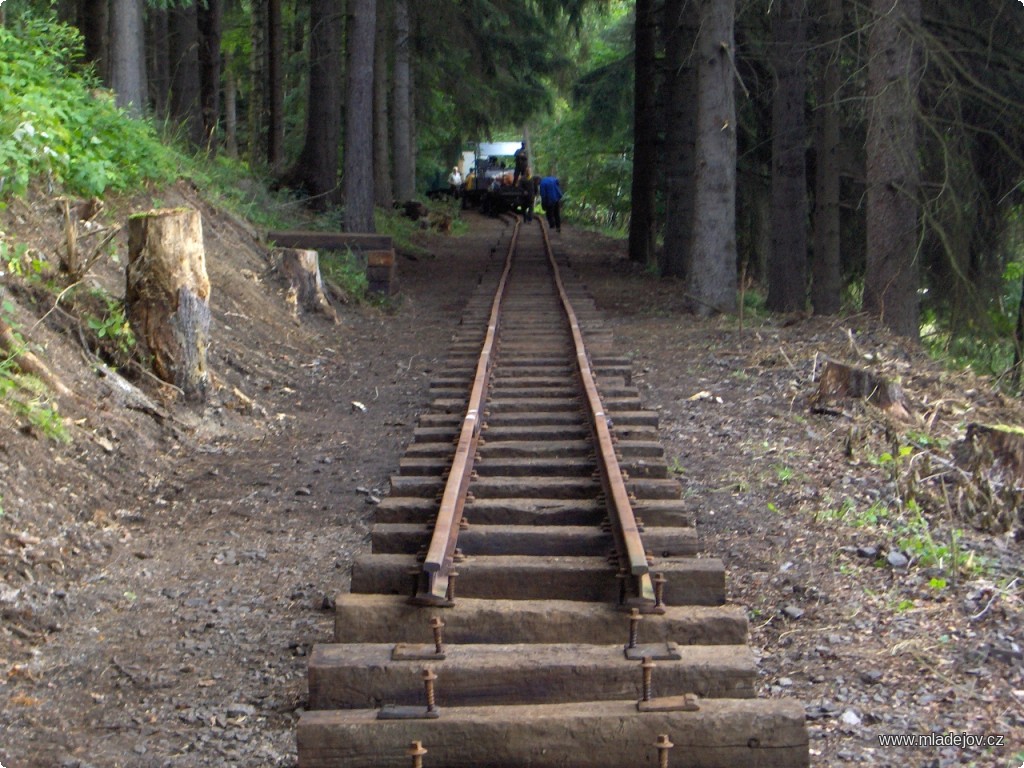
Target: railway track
{"type": "Point", "coordinates": [535, 595]}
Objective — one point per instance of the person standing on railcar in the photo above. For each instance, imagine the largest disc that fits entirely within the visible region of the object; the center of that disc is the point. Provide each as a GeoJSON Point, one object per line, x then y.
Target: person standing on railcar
{"type": "Point", "coordinates": [522, 163]}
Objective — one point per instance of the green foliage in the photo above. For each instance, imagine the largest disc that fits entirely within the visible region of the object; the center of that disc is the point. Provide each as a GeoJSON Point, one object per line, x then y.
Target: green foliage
{"type": "Point", "coordinates": [112, 326]}
{"type": "Point", "coordinates": [981, 337]}
{"type": "Point", "coordinates": [234, 185]}
{"type": "Point", "coordinates": [58, 125]}
{"type": "Point", "coordinates": [915, 537]}
{"type": "Point", "coordinates": [13, 259]}
{"type": "Point", "coordinates": [839, 513]}
{"type": "Point", "coordinates": [347, 270]}
{"type": "Point", "coordinates": [491, 61]}
{"type": "Point", "coordinates": [25, 395]}
{"type": "Point", "coordinates": [595, 172]}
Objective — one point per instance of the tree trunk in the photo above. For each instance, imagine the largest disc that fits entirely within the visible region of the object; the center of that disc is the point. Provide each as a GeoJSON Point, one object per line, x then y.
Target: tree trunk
{"type": "Point", "coordinates": [316, 170]}
{"type": "Point", "coordinates": [1018, 340]}
{"type": "Point", "coordinates": [712, 280]}
{"type": "Point", "coordinates": [93, 20]}
{"type": "Point", "coordinates": [167, 296]}
{"type": "Point", "coordinates": [159, 61]}
{"type": "Point", "coordinates": [787, 263]}
{"type": "Point", "coordinates": [275, 81]}
{"type": "Point", "coordinates": [826, 274]}
{"type": "Point", "coordinates": [211, 22]}
{"type": "Point", "coordinates": [362, 25]}
{"type": "Point", "coordinates": [405, 181]}
{"type": "Point", "coordinates": [645, 136]}
{"type": "Point", "coordinates": [185, 86]}
{"type": "Point", "coordinates": [680, 32]}
{"type": "Point", "coordinates": [230, 109]}
{"type": "Point", "coordinates": [259, 84]}
{"type": "Point", "coordinates": [893, 175]}
{"type": "Point", "coordinates": [382, 188]}
{"type": "Point", "coordinates": [127, 56]}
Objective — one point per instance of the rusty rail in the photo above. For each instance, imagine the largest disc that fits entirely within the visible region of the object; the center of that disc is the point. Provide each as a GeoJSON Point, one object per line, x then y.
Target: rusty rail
{"type": "Point", "coordinates": [433, 587]}
{"type": "Point", "coordinates": [620, 511]}
{"type": "Point", "coordinates": [434, 577]}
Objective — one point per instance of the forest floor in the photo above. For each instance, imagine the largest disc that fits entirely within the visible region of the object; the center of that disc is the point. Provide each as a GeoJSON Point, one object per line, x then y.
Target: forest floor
{"type": "Point", "coordinates": [164, 573]}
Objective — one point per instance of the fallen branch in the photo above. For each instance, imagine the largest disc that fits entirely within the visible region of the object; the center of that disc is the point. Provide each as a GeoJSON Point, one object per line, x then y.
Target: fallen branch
{"type": "Point", "coordinates": [29, 363]}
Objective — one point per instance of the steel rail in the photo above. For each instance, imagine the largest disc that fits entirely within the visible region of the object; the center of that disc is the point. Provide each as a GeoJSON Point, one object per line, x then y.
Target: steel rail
{"type": "Point", "coordinates": [441, 551]}
{"type": "Point", "coordinates": [623, 521]}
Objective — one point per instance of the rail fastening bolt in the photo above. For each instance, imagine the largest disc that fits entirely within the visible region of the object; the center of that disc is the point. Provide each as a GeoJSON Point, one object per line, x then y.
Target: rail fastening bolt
{"type": "Point", "coordinates": [428, 682]}
{"type": "Point", "coordinates": [663, 746]}
{"type": "Point", "coordinates": [659, 589]}
{"type": "Point", "coordinates": [634, 625]}
{"type": "Point", "coordinates": [648, 666]}
{"type": "Point", "coordinates": [437, 624]}
{"type": "Point", "coordinates": [416, 752]}
{"type": "Point", "coordinates": [450, 591]}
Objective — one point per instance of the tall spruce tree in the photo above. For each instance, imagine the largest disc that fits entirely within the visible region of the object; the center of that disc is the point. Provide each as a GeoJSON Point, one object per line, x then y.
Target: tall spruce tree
{"type": "Point", "coordinates": [316, 169]}
{"type": "Point", "coordinates": [358, 181]}
{"type": "Point", "coordinates": [712, 280]}
{"type": "Point", "coordinates": [645, 134]}
{"type": "Point", "coordinates": [787, 263]}
{"type": "Point", "coordinates": [891, 279]}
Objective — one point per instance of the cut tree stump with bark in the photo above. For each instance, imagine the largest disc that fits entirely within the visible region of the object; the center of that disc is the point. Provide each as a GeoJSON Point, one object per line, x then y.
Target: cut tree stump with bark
{"type": "Point", "coordinates": [301, 267]}
{"type": "Point", "coordinates": [987, 445]}
{"type": "Point", "coordinates": [168, 296]}
{"type": "Point", "coordinates": [842, 382]}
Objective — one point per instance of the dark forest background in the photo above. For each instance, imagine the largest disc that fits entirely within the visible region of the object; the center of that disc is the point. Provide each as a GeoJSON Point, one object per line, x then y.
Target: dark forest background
{"type": "Point", "coordinates": [809, 156]}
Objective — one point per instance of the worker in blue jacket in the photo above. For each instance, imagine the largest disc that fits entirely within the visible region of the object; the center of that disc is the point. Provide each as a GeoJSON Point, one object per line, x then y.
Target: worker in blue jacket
{"type": "Point", "coordinates": [551, 200]}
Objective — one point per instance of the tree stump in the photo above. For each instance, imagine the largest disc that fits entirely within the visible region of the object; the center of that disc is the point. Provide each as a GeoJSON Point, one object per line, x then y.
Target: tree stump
{"type": "Point", "coordinates": [995, 445]}
{"type": "Point", "coordinates": [167, 296]}
{"type": "Point", "coordinates": [301, 267]}
{"type": "Point", "coordinates": [839, 382]}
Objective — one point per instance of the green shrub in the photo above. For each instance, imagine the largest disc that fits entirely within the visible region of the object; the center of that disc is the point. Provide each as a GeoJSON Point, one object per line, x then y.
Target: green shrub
{"type": "Point", "coordinates": [26, 395]}
{"type": "Point", "coordinates": [347, 270]}
{"type": "Point", "coordinates": [59, 126]}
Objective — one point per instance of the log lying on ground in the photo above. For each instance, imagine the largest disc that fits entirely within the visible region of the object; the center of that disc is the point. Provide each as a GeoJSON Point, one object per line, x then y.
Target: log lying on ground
{"type": "Point", "coordinates": [168, 294]}
{"type": "Point", "coordinates": [301, 267]}
{"type": "Point", "coordinates": [842, 382]}
{"type": "Point", "coordinates": [11, 345]}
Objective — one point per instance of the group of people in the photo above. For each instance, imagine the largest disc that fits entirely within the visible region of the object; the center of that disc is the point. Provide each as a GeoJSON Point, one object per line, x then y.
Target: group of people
{"type": "Point", "coordinates": [529, 186]}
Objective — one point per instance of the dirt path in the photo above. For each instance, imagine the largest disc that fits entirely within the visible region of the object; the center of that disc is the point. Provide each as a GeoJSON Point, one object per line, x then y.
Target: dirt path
{"type": "Point", "coordinates": [159, 598]}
